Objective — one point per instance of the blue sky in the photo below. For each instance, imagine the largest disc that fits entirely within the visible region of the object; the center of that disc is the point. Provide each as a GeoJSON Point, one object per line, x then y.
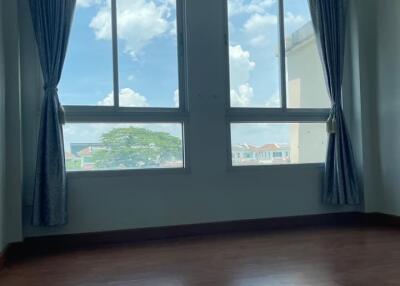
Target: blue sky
{"type": "Point", "coordinates": [148, 55]}
{"type": "Point", "coordinates": [254, 60]}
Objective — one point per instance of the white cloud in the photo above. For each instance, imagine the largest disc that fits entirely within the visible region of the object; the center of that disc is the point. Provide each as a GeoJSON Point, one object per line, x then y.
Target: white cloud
{"type": "Point", "coordinates": [259, 41]}
{"type": "Point", "coordinates": [259, 23]}
{"type": "Point", "coordinates": [240, 68]}
{"type": "Point", "coordinates": [236, 7]}
{"type": "Point", "coordinates": [127, 98]}
{"type": "Point", "coordinates": [173, 28]}
{"type": "Point", "coordinates": [101, 23]}
{"type": "Point", "coordinates": [176, 98]}
{"type": "Point", "coordinates": [291, 19]}
{"type": "Point", "coordinates": [240, 65]}
{"type": "Point", "coordinates": [257, 26]}
{"type": "Point", "coordinates": [87, 3]}
{"type": "Point", "coordinates": [139, 22]}
{"type": "Point", "coordinates": [274, 100]}
{"type": "Point", "coordinates": [241, 97]}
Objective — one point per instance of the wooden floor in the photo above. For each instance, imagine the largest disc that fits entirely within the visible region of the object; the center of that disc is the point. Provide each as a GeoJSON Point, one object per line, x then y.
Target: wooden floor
{"type": "Point", "coordinates": [340, 256]}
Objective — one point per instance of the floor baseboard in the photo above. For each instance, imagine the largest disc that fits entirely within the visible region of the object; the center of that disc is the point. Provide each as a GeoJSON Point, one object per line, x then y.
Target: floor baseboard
{"type": "Point", "coordinates": [383, 219]}
{"type": "Point", "coordinates": [3, 258]}
{"type": "Point", "coordinates": [49, 244]}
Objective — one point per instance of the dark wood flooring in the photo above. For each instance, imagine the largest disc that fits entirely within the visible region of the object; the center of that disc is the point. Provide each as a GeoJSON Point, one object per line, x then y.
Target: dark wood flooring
{"type": "Point", "coordinates": [330, 256]}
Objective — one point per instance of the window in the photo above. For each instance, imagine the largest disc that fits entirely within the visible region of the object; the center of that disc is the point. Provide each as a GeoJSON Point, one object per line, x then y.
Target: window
{"type": "Point", "coordinates": [105, 146]}
{"type": "Point", "coordinates": [253, 55]}
{"type": "Point", "coordinates": [278, 97]}
{"type": "Point", "coordinates": [147, 52]}
{"type": "Point", "coordinates": [122, 86]}
{"type": "Point", "coordinates": [305, 83]}
{"type": "Point", "coordinates": [87, 77]}
{"type": "Point", "coordinates": [278, 143]}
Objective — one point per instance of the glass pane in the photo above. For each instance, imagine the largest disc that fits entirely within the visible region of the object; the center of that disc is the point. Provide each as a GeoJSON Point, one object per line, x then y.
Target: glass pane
{"type": "Point", "coordinates": [254, 53]}
{"type": "Point", "coordinates": [109, 146]}
{"type": "Point", "coordinates": [87, 77]}
{"type": "Point", "coordinates": [277, 143]}
{"type": "Point", "coordinates": [305, 78]}
{"type": "Point", "coordinates": [148, 58]}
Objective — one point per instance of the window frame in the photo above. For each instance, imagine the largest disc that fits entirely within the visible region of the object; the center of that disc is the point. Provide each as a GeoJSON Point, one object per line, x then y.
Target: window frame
{"type": "Point", "coordinates": [120, 114]}
{"type": "Point", "coordinates": [281, 114]}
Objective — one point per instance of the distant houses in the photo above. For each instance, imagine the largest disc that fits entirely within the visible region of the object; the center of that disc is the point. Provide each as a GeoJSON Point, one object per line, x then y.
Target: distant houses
{"type": "Point", "coordinates": [84, 148]}
{"type": "Point", "coordinates": [245, 154]}
{"type": "Point", "coordinates": [80, 158]}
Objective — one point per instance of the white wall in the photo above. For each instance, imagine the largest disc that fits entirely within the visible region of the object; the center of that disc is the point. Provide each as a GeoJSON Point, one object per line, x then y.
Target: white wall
{"type": "Point", "coordinates": [374, 119]}
{"type": "Point", "coordinates": [209, 192]}
{"type": "Point", "coordinates": [388, 103]}
{"type": "Point", "coordinates": [307, 89]}
{"type": "Point", "coordinates": [13, 138]}
{"type": "Point", "coordinates": [360, 105]}
{"type": "Point", "coordinates": [2, 135]}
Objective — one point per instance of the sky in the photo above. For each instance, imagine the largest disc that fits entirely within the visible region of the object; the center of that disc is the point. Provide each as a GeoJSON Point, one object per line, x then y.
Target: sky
{"type": "Point", "coordinates": [254, 48]}
{"type": "Point", "coordinates": [147, 51]}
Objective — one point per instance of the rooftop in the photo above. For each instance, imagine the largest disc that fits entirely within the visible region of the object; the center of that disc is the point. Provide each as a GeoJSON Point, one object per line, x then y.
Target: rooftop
{"type": "Point", "coordinates": [263, 148]}
{"type": "Point", "coordinates": [300, 36]}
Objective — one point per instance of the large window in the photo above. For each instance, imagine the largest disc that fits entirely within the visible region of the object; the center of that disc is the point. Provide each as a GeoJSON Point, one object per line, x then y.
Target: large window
{"type": "Point", "coordinates": [122, 86]}
{"type": "Point", "coordinates": [126, 72]}
{"type": "Point", "coordinates": [278, 98]}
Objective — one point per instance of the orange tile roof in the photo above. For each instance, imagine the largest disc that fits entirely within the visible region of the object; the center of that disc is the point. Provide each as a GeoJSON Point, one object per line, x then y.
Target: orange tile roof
{"type": "Point", "coordinates": [85, 152]}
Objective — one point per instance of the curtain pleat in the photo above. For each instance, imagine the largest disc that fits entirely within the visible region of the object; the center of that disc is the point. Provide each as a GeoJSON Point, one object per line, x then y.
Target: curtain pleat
{"type": "Point", "coordinates": [340, 183]}
{"type": "Point", "coordinates": [52, 21]}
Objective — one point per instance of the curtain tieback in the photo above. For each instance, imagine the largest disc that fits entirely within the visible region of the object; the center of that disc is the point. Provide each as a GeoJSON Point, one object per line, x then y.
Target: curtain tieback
{"type": "Point", "coordinates": [331, 122]}
{"type": "Point", "coordinates": [51, 88]}
{"type": "Point", "coordinates": [54, 91]}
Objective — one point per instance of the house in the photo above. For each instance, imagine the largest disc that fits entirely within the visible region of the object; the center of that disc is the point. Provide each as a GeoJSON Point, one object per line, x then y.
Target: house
{"type": "Point", "coordinates": [265, 154]}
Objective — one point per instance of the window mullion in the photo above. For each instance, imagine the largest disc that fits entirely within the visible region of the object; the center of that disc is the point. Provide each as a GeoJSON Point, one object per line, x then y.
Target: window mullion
{"type": "Point", "coordinates": [181, 20]}
{"type": "Point", "coordinates": [277, 115]}
{"type": "Point", "coordinates": [115, 51]}
{"type": "Point", "coordinates": [282, 54]}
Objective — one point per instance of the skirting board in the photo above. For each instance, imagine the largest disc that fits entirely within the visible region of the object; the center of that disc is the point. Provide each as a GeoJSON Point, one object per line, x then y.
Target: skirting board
{"type": "Point", "coordinates": [2, 260]}
{"type": "Point", "coordinates": [49, 244]}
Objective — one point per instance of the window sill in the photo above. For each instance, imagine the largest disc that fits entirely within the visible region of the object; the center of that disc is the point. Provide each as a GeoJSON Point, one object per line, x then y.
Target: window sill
{"type": "Point", "coordinates": [127, 173]}
{"type": "Point", "coordinates": [275, 166]}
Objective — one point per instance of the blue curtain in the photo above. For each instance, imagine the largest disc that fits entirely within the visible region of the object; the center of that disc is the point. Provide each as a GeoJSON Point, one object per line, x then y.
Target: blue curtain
{"type": "Point", "coordinates": [340, 183]}
{"type": "Point", "coordinates": [52, 23]}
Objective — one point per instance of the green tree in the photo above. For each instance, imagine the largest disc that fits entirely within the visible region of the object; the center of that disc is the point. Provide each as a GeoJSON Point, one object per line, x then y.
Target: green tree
{"type": "Point", "coordinates": [73, 164]}
{"type": "Point", "coordinates": [136, 147]}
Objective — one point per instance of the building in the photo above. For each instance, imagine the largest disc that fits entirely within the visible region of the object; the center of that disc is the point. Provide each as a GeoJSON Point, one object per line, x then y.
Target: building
{"type": "Point", "coordinates": [245, 154]}
{"type": "Point", "coordinates": [305, 89]}
{"type": "Point", "coordinates": [81, 156]}
{"type": "Point", "coordinates": [77, 148]}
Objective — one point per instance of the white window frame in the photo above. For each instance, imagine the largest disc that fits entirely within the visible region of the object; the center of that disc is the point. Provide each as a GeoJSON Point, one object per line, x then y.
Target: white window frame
{"type": "Point", "coordinates": [120, 114]}
{"type": "Point", "coordinates": [281, 114]}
